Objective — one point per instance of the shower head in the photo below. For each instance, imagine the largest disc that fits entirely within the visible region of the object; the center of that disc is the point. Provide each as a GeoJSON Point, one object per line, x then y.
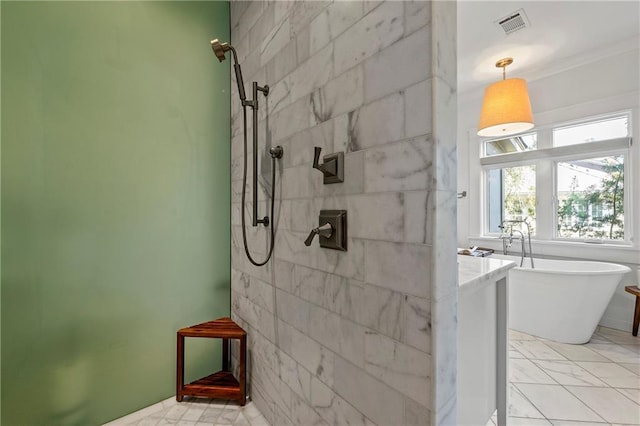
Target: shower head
{"type": "Point", "coordinates": [219, 49]}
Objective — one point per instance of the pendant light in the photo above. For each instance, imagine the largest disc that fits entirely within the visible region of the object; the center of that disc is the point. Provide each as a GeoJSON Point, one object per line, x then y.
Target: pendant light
{"type": "Point", "coordinates": [506, 109]}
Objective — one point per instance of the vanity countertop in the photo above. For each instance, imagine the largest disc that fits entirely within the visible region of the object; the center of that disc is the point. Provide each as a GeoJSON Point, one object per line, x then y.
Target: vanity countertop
{"type": "Point", "coordinates": [476, 272]}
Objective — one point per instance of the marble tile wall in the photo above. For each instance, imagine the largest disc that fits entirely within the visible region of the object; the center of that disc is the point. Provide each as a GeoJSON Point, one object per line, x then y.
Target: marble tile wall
{"type": "Point", "coordinates": [363, 336]}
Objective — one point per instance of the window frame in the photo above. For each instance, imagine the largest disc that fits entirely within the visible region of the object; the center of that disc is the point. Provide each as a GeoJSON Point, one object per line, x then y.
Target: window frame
{"type": "Point", "coordinates": [546, 158]}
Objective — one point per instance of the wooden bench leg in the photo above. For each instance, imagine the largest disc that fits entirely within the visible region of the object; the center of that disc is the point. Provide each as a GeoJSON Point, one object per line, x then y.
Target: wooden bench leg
{"type": "Point", "coordinates": [242, 371]}
{"type": "Point", "coordinates": [225, 354]}
{"type": "Point", "coordinates": [180, 368]}
{"type": "Point", "coordinates": [636, 317]}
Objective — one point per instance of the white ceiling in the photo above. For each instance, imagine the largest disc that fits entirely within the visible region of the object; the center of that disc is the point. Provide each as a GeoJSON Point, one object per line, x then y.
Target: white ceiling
{"type": "Point", "coordinates": [560, 33]}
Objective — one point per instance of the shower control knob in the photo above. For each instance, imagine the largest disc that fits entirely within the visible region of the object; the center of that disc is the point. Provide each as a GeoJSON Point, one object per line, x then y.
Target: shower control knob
{"type": "Point", "coordinates": [332, 167]}
{"type": "Point", "coordinates": [325, 230]}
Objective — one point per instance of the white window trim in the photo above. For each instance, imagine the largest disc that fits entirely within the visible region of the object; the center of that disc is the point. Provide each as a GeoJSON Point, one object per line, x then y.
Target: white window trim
{"type": "Point", "coordinates": [546, 242]}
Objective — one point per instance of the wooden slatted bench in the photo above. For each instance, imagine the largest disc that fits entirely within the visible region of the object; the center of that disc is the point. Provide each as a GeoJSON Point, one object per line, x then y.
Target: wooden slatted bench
{"type": "Point", "coordinates": [635, 290]}
{"type": "Point", "coordinates": [222, 384]}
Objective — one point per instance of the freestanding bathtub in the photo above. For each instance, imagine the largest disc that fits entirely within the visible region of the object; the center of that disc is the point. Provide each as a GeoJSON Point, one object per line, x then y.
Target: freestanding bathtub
{"type": "Point", "coordinates": [560, 300]}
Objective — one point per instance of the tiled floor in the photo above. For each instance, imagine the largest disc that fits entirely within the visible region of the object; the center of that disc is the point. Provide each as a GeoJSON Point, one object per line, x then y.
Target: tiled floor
{"type": "Point", "coordinates": [559, 384]}
{"type": "Point", "coordinates": [550, 384]}
{"type": "Point", "coordinates": [194, 411]}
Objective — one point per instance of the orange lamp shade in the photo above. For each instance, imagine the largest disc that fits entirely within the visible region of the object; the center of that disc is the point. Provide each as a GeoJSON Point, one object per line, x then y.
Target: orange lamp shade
{"type": "Point", "coordinates": [506, 109]}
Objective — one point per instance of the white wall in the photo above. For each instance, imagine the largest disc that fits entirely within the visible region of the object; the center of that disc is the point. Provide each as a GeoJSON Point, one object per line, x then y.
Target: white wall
{"type": "Point", "coordinates": [581, 87]}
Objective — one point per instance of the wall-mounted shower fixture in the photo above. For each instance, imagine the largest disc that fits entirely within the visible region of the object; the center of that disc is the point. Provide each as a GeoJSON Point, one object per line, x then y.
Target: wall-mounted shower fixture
{"type": "Point", "coordinates": [220, 49]}
{"type": "Point", "coordinates": [332, 167]}
{"type": "Point", "coordinates": [331, 231]}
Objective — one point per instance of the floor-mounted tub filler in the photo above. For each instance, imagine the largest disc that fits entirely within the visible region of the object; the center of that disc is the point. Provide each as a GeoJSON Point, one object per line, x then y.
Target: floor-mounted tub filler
{"type": "Point", "coordinates": [561, 300]}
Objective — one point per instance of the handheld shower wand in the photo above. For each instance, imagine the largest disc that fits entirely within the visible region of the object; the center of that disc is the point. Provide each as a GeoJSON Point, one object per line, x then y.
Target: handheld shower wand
{"type": "Point", "coordinates": [220, 49]}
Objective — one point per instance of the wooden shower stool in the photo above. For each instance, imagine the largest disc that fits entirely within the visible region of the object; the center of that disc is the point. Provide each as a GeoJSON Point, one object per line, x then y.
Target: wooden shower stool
{"type": "Point", "coordinates": [223, 384]}
{"type": "Point", "coordinates": [635, 290]}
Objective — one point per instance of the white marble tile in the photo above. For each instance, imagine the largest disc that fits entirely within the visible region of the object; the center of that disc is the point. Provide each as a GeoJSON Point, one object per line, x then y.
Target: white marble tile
{"type": "Point", "coordinates": [344, 337]}
{"type": "Point", "coordinates": [290, 119]}
{"type": "Point", "coordinates": [315, 72]}
{"type": "Point", "coordinates": [376, 400]}
{"type": "Point", "coordinates": [318, 360]}
{"type": "Point", "coordinates": [572, 423]}
{"type": "Point", "coordinates": [417, 14]}
{"type": "Point", "coordinates": [534, 349]}
{"type": "Point", "coordinates": [617, 353]}
{"type": "Point", "coordinates": [378, 216]}
{"type": "Point", "coordinates": [334, 409]}
{"type": "Point", "coordinates": [398, 267]}
{"type": "Point", "coordinates": [633, 367]}
{"type": "Point", "coordinates": [525, 371]}
{"type": "Point", "coordinates": [293, 310]}
{"type": "Point", "coordinates": [377, 308]}
{"type": "Point", "coordinates": [519, 406]}
{"type": "Point", "coordinates": [303, 143]}
{"type": "Point", "coordinates": [612, 374]}
{"type": "Point", "coordinates": [303, 44]}
{"type": "Point", "coordinates": [333, 21]}
{"type": "Point", "coordinates": [514, 354]}
{"type": "Point", "coordinates": [632, 394]}
{"type": "Point", "coordinates": [367, 129]}
{"type": "Point", "coordinates": [418, 217]}
{"type": "Point", "coordinates": [294, 375]}
{"type": "Point", "coordinates": [416, 414]}
{"type": "Point", "coordinates": [342, 94]}
{"type": "Point", "coordinates": [380, 28]}
{"type": "Point", "coordinates": [418, 117]}
{"type": "Point", "coordinates": [618, 336]}
{"type": "Point", "coordinates": [517, 335]}
{"type": "Point", "coordinates": [418, 323]}
{"type": "Point", "coordinates": [555, 402]}
{"type": "Point", "coordinates": [402, 166]}
{"type": "Point", "coordinates": [411, 59]}
{"type": "Point", "coordinates": [608, 403]}
{"type": "Point", "coordinates": [575, 352]}
{"type": "Point", "coordinates": [341, 133]}
{"type": "Point", "coordinates": [303, 12]}
{"type": "Point", "coordinates": [262, 29]}
{"type": "Point", "coordinates": [522, 421]}
{"type": "Point", "coordinates": [282, 64]}
{"type": "Point", "coordinates": [444, 31]}
{"type": "Point", "coordinates": [568, 373]}
{"type": "Point", "coordinates": [401, 367]}
{"type": "Point", "coordinates": [303, 414]}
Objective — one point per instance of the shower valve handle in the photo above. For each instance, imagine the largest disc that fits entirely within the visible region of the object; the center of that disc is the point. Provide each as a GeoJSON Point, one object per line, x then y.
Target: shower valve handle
{"type": "Point", "coordinates": [325, 230]}
{"type": "Point", "coordinates": [328, 168]}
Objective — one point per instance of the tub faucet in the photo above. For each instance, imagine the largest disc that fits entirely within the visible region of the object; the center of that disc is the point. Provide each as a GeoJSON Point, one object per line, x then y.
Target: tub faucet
{"type": "Point", "coordinates": [507, 238]}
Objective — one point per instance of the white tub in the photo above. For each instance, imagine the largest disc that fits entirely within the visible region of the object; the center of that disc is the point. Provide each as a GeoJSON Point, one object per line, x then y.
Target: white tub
{"type": "Point", "coordinates": [560, 300]}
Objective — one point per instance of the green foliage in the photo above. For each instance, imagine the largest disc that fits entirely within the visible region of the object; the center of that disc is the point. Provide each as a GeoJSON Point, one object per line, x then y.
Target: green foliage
{"type": "Point", "coordinates": [576, 213]}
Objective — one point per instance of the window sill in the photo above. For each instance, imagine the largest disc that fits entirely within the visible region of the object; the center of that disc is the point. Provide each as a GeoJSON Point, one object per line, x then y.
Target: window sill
{"type": "Point", "coordinates": [569, 249]}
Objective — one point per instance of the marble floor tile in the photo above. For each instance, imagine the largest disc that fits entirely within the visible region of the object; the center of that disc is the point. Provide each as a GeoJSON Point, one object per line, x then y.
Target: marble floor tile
{"type": "Point", "coordinates": [612, 374]}
{"type": "Point", "coordinates": [534, 349]}
{"type": "Point", "coordinates": [514, 354]}
{"type": "Point", "coordinates": [520, 421]}
{"type": "Point", "coordinates": [572, 423]}
{"type": "Point", "coordinates": [576, 352]}
{"type": "Point", "coordinates": [517, 335]}
{"type": "Point", "coordinates": [618, 336]}
{"type": "Point", "coordinates": [617, 353]}
{"type": "Point", "coordinates": [519, 406]}
{"type": "Point", "coordinates": [608, 403]}
{"type": "Point", "coordinates": [632, 394]}
{"type": "Point", "coordinates": [568, 373]}
{"type": "Point", "coordinates": [556, 402]}
{"type": "Point", "coordinates": [525, 371]}
{"type": "Point", "coordinates": [633, 367]}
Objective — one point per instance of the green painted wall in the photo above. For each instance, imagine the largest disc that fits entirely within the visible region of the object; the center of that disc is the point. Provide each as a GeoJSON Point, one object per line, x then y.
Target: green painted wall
{"type": "Point", "coordinates": [115, 203]}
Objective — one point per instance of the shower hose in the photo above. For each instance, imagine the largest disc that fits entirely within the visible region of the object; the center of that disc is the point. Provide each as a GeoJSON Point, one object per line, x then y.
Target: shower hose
{"type": "Point", "coordinates": [244, 193]}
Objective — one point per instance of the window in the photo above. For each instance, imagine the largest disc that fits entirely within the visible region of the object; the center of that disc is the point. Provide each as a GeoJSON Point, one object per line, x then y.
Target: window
{"type": "Point", "coordinates": [567, 181]}
{"type": "Point", "coordinates": [590, 196]}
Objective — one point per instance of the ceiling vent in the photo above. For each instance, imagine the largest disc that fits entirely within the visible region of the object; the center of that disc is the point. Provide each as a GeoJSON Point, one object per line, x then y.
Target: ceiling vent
{"type": "Point", "coordinates": [513, 22]}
